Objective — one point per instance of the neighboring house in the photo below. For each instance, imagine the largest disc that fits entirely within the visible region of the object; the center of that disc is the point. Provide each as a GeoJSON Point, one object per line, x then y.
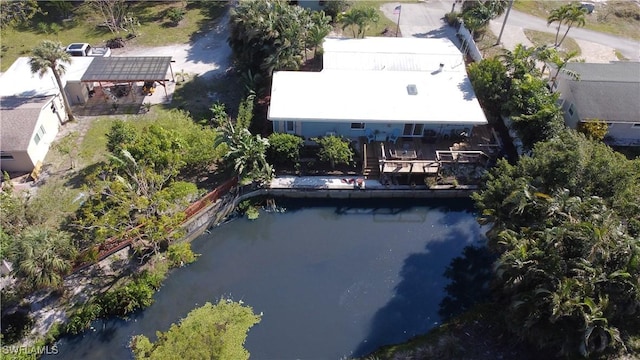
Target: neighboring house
{"type": "Point", "coordinates": [411, 87]}
{"type": "Point", "coordinates": [608, 92]}
{"type": "Point", "coordinates": [29, 126]}
{"type": "Point", "coordinates": [31, 111]}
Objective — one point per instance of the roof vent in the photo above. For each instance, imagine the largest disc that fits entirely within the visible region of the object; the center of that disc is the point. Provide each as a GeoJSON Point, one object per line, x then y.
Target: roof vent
{"type": "Point", "coordinates": [412, 89]}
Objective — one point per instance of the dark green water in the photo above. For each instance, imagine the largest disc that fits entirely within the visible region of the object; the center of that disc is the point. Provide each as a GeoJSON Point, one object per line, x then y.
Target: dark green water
{"type": "Point", "coordinates": [332, 279]}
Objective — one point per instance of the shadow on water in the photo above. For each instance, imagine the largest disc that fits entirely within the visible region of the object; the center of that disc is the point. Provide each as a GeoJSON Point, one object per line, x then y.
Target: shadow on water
{"type": "Point", "coordinates": [413, 308]}
{"type": "Point", "coordinates": [470, 275]}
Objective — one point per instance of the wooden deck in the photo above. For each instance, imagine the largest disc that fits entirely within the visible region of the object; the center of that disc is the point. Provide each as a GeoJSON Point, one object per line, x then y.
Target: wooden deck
{"type": "Point", "coordinates": [427, 156]}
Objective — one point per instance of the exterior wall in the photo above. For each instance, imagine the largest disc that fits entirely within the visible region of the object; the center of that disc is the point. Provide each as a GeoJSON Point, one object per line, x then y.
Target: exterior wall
{"type": "Point", "coordinates": [382, 130]}
{"type": "Point", "coordinates": [567, 101]}
{"type": "Point", "coordinates": [624, 133]}
{"type": "Point", "coordinates": [50, 121]}
{"type": "Point", "coordinates": [21, 162]}
{"type": "Point", "coordinates": [77, 92]}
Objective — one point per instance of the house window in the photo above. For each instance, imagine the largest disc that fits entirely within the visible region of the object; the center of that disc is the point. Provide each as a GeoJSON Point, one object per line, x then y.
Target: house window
{"type": "Point", "coordinates": [39, 135]}
{"type": "Point", "coordinates": [357, 126]}
{"type": "Point", "coordinates": [289, 126]}
{"type": "Point", "coordinates": [5, 155]}
{"type": "Point", "coordinates": [570, 111]}
{"type": "Point", "coordinates": [413, 130]}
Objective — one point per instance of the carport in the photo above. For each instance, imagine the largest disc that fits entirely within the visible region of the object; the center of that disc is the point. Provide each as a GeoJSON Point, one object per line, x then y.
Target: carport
{"type": "Point", "coordinates": [129, 69]}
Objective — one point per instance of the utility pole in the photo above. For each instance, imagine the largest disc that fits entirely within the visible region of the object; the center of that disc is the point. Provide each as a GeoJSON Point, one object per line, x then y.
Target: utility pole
{"type": "Point", "coordinates": [398, 10]}
{"type": "Point", "coordinates": [506, 16]}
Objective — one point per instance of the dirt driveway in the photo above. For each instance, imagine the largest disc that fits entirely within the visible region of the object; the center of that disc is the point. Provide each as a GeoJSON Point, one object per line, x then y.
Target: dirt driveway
{"type": "Point", "coordinates": [209, 56]}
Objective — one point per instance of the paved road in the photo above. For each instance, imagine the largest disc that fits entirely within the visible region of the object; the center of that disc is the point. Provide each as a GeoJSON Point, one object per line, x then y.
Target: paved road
{"type": "Point", "coordinates": [425, 20]}
{"type": "Point", "coordinates": [629, 48]}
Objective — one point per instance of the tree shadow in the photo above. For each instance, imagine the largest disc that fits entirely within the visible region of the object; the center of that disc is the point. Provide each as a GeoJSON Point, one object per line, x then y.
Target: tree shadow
{"type": "Point", "coordinates": [413, 309]}
{"type": "Point", "coordinates": [445, 31]}
{"type": "Point", "coordinates": [470, 276]}
{"type": "Point", "coordinates": [79, 178]}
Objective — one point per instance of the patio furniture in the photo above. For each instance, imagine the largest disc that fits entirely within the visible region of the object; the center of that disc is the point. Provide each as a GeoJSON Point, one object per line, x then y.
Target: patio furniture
{"type": "Point", "coordinates": [403, 154]}
{"type": "Point", "coordinates": [393, 137]}
{"type": "Point", "coordinates": [370, 135]}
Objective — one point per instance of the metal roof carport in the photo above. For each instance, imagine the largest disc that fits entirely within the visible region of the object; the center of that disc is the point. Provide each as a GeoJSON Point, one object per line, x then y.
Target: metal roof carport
{"type": "Point", "coordinates": [129, 69]}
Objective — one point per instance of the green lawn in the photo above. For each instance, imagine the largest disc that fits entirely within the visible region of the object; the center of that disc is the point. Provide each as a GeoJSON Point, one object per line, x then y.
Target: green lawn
{"type": "Point", "coordinates": [154, 30]}
{"type": "Point", "coordinates": [377, 28]}
{"type": "Point", "coordinates": [604, 19]}
{"type": "Point", "coordinates": [542, 38]}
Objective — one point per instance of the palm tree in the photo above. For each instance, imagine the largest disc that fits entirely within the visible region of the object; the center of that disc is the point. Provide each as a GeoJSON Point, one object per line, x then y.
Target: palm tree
{"type": "Point", "coordinates": [557, 15]}
{"type": "Point", "coordinates": [568, 14]}
{"type": "Point", "coordinates": [316, 35]}
{"type": "Point", "coordinates": [520, 61]}
{"type": "Point", "coordinates": [574, 15]}
{"type": "Point", "coordinates": [44, 257]}
{"type": "Point", "coordinates": [560, 62]}
{"type": "Point", "coordinates": [349, 18]}
{"type": "Point", "coordinates": [51, 55]}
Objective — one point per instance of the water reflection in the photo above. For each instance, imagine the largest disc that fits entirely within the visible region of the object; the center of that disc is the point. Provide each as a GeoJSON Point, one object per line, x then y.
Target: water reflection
{"type": "Point", "coordinates": [333, 279]}
{"type": "Point", "coordinates": [470, 276]}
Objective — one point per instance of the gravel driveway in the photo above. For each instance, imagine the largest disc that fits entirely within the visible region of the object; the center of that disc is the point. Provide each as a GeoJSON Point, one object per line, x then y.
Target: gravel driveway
{"type": "Point", "coordinates": [209, 56]}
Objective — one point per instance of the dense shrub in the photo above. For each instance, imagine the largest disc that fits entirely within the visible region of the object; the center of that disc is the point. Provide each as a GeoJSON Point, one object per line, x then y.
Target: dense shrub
{"type": "Point", "coordinates": [175, 15]}
{"type": "Point", "coordinates": [180, 254]}
{"type": "Point", "coordinates": [284, 148]}
{"type": "Point", "coordinates": [82, 318]}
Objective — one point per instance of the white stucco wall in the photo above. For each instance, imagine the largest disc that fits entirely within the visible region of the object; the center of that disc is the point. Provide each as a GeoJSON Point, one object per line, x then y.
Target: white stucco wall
{"type": "Point", "coordinates": [50, 121]}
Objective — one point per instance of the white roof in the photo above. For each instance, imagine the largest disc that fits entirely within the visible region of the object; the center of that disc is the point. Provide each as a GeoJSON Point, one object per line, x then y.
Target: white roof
{"type": "Point", "coordinates": [390, 54]}
{"type": "Point", "coordinates": [77, 68]}
{"type": "Point", "coordinates": [374, 96]}
{"type": "Point", "coordinates": [19, 81]}
{"type": "Point", "coordinates": [367, 80]}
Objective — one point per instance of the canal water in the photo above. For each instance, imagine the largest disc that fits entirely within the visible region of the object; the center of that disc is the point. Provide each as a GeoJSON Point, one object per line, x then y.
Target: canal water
{"type": "Point", "coordinates": [332, 279]}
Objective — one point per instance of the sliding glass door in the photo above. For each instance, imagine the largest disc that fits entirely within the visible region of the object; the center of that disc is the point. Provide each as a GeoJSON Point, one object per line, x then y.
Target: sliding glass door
{"type": "Point", "coordinates": [413, 130]}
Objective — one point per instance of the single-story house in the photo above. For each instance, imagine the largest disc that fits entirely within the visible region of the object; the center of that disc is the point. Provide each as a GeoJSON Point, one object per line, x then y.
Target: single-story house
{"type": "Point", "coordinates": [31, 107]}
{"type": "Point", "coordinates": [29, 126]}
{"type": "Point", "coordinates": [407, 87]}
{"type": "Point", "coordinates": [31, 111]}
{"type": "Point", "coordinates": [607, 92]}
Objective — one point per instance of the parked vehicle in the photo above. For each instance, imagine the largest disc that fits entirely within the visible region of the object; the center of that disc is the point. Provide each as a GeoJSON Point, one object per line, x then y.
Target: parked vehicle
{"type": "Point", "coordinates": [84, 49]}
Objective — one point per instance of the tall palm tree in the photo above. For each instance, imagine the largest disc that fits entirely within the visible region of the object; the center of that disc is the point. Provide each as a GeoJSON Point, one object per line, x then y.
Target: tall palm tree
{"type": "Point", "coordinates": [44, 256]}
{"type": "Point", "coordinates": [557, 15]}
{"type": "Point", "coordinates": [575, 15]}
{"type": "Point", "coordinates": [51, 55]}
{"type": "Point", "coordinates": [570, 15]}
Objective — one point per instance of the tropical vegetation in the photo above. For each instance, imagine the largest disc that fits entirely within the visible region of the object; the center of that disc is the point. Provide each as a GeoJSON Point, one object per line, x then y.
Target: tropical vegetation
{"type": "Point", "coordinates": [476, 14]}
{"type": "Point", "coordinates": [566, 225]}
{"type": "Point", "coordinates": [208, 332]}
{"type": "Point", "coordinates": [358, 19]}
{"type": "Point", "coordinates": [272, 35]}
{"type": "Point", "coordinates": [335, 150]}
{"type": "Point", "coordinates": [50, 56]}
{"type": "Point", "coordinates": [572, 14]}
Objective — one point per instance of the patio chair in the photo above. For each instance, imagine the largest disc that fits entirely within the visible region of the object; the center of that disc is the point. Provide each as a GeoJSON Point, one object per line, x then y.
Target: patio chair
{"type": "Point", "coordinates": [370, 135]}
{"type": "Point", "coordinates": [393, 137]}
